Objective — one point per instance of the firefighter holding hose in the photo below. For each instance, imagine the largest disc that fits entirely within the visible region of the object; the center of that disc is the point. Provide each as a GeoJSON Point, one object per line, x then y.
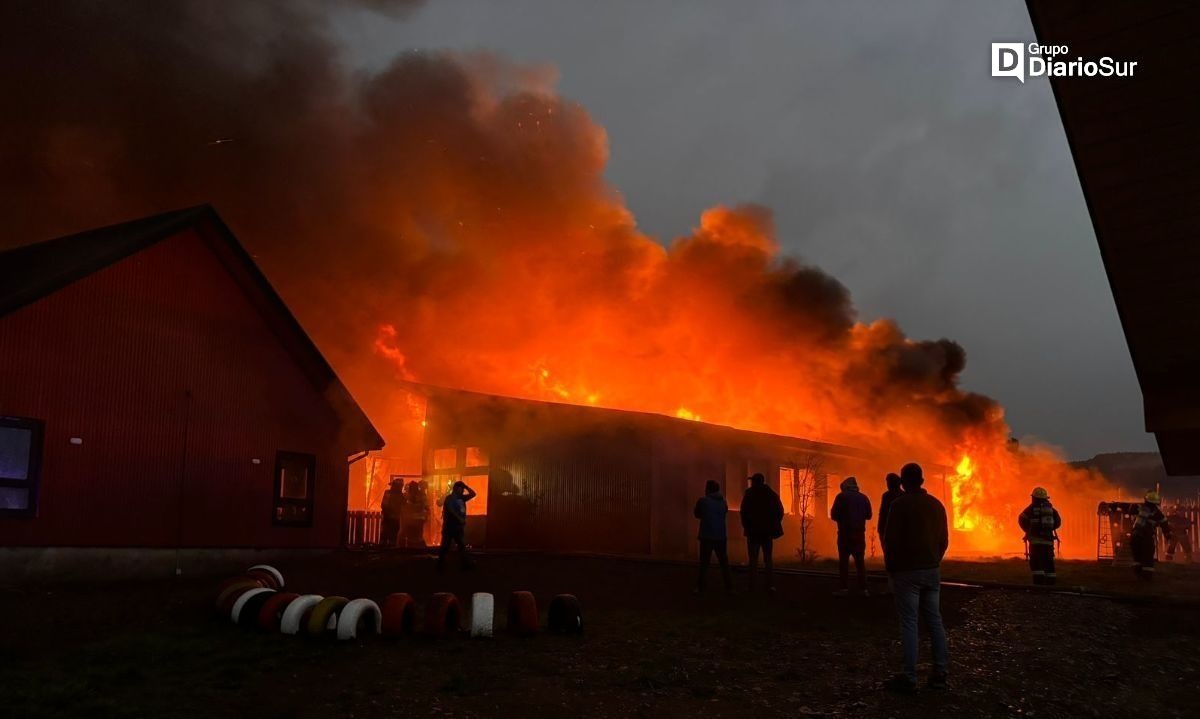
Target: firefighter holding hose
{"type": "Point", "coordinates": [1041, 521]}
{"type": "Point", "coordinates": [1143, 540]}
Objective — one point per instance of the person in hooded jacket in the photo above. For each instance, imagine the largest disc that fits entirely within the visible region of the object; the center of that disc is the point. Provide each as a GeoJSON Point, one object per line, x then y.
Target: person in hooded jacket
{"type": "Point", "coordinates": [1040, 522]}
{"type": "Point", "coordinates": [851, 510]}
{"type": "Point", "coordinates": [711, 510]}
{"type": "Point", "coordinates": [761, 513]}
{"type": "Point", "coordinates": [885, 503]}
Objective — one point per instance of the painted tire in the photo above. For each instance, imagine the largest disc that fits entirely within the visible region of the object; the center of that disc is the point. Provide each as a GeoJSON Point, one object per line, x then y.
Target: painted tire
{"type": "Point", "coordinates": [359, 614]}
{"type": "Point", "coordinates": [399, 615]}
{"type": "Point", "coordinates": [323, 615]}
{"type": "Point", "coordinates": [272, 610]}
{"type": "Point", "coordinates": [522, 614]}
{"type": "Point", "coordinates": [231, 593]}
{"type": "Point", "coordinates": [245, 597]}
{"type": "Point", "coordinates": [268, 580]}
{"type": "Point", "coordinates": [483, 614]}
{"type": "Point", "coordinates": [297, 613]}
{"type": "Point", "coordinates": [276, 575]}
{"type": "Point", "coordinates": [564, 615]}
{"type": "Point", "coordinates": [442, 615]}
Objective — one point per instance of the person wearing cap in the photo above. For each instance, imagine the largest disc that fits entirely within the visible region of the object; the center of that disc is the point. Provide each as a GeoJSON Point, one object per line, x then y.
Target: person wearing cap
{"type": "Point", "coordinates": [851, 509]}
{"type": "Point", "coordinates": [1143, 540]}
{"type": "Point", "coordinates": [917, 539]}
{"type": "Point", "coordinates": [1041, 521]}
{"type": "Point", "coordinates": [761, 513]}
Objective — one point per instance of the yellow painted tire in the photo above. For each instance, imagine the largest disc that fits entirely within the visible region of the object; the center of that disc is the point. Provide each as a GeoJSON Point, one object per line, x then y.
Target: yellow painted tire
{"type": "Point", "coordinates": [324, 616]}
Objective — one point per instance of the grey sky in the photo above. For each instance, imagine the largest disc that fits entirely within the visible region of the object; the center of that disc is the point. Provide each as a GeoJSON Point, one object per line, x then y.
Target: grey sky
{"type": "Point", "coordinates": [939, 195]}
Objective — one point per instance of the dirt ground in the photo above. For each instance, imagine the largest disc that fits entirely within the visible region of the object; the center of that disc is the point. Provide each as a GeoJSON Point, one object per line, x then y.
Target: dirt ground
{"type": "Point", "coordinates": [650, 649]}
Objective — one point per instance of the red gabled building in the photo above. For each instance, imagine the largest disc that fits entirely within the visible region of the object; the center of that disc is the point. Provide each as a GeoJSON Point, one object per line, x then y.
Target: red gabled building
{"type": "Point", "coordinates": [156, 392]}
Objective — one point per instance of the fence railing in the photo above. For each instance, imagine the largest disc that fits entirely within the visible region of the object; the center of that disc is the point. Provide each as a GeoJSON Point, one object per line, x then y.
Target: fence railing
{"type": "Point", "coordinates": [362, 528]}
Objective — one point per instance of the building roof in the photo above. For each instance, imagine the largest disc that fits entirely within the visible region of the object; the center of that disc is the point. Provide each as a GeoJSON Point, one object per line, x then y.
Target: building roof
{"type": "Point", "coordinates": [1135, 150]}
{"type": "Point", "coordinates": [31, 272]}
{"type": "Point", "coordinates": [495, 410]}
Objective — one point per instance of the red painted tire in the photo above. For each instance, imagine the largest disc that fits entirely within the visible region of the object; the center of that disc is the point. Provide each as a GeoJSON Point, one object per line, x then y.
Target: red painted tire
{"type": "Point", "coordinates": [324, 614]}
{"type": "Point", "coordinates": [234, 590]}
{"type": "Point", "coordinates": [443, 615]}
{"type": "Point", "coordinates": [272, 611]}
{"type": "Point", "coordinates": [564, 615]}
{"type": "Point", "coordinates": [399, 615]}
{"type": "Point", "coordinates": [276, 575]}
{"type": "Point", "coordinates": [522, 614]}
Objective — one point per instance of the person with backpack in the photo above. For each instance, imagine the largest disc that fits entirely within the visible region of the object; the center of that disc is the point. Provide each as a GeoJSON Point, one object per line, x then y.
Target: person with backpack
{"type": "Point", "coordinates": [1040, 521]}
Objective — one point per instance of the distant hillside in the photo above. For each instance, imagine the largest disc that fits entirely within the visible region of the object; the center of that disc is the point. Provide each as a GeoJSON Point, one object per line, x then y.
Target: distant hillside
{"type": "Point", "coordinates": [1137, 472]}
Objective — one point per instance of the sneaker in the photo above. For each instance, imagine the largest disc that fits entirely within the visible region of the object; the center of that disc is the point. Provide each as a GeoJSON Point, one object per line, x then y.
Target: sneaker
{"type": "Point", "coordinates": [900, 684]}
{"type": "Point", "coordinates": [937, 682]}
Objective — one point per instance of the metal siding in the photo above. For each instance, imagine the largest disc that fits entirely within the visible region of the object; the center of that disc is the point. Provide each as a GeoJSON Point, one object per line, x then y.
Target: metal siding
{"type": "Point", "coordinates": [158, 351]}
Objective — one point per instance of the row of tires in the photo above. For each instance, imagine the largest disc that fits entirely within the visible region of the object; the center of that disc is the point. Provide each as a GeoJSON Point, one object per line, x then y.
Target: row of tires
{"type": "Point", "coordinates": [256, 599]}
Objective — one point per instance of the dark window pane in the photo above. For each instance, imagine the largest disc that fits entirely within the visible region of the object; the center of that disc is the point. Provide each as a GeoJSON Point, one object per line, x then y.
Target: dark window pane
{"type": "Point", "coordinates": [294, 482]}
{"type": "Point", "coordinates": [15, 443]}
{"type": "Point", "coordinates": [14, 498]}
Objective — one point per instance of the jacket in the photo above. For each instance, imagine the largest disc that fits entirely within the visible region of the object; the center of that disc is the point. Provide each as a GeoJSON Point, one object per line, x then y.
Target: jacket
{"type": "Point", "coordinates": [917, 535]}
{"type": "Point", "coordinates": [1040, 521]}
{"type": "Point", "coordinates": [885, 503]}
{"type": "Point", "coordinates": [711, 510]}
{"type": "Point", "coordinates": [761, 513]}
{"type": "Point", "coordinates": [1149, 519]}
{"type": "Point", "coordinates": [851, 509]}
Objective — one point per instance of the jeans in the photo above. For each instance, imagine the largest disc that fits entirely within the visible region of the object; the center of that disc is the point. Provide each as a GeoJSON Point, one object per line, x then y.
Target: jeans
{"type": "Point", "coordinates": [852, 544]}
{"type": "Point", "coordinates": [450, 536]}
{"type": "Point", "coordinates": [766, 545]}
{"type": "Point", "coordinates": [919, 592]}
{"type": "Point", "coordinates": [707, 548]}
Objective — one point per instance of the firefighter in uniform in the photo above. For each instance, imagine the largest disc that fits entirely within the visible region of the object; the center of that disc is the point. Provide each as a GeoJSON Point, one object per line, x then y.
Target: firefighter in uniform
{"type": "Point", "coordinates": [1041, 521]}
{"type": "Point", "coordinates": [1181, 534]}
{"type": "Point", "coordinates": [1143, 540]}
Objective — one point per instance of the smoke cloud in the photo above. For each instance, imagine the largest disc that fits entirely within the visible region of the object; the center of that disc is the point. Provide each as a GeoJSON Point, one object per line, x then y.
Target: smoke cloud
{"type": "Point", "coordinates": [446, 220]}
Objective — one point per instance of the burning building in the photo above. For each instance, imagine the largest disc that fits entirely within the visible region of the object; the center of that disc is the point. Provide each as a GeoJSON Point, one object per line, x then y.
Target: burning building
{"type": "Point", "coordinates": [157, 393]}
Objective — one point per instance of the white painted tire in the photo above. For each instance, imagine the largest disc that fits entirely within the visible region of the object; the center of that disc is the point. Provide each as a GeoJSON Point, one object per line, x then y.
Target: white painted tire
{"type": "Point", "coordinates": [293, 616]}
{"type": "Point", "coordinates": [483, 614]}
{"type": "Point", "coordinates": [270, 570]}
{"type": "Point", "coordinates": [241, 602]}
{"type": "Point", "coordinates": [353, 613]}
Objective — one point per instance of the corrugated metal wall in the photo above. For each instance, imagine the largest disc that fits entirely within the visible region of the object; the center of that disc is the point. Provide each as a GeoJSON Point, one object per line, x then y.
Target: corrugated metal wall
{"type": "Point", "coordinates": [164, 367]}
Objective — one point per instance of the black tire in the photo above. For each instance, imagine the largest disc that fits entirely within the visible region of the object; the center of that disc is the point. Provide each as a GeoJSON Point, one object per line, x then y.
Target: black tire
{"type": "Point", "coordinates": [564, 615]}
{"type": "Point", "coordinates": [253, 607]}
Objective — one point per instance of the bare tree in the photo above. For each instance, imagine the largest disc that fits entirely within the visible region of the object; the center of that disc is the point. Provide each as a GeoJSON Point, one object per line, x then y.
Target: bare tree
{"type": "Point", "coordinates": [806, 476]}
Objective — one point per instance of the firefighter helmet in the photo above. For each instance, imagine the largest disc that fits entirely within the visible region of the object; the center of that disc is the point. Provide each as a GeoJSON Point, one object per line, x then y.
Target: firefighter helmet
{"type": "Point", "coordinates": [1040, 493]}
{"type": "Point", "coordinates": [1153, 498]}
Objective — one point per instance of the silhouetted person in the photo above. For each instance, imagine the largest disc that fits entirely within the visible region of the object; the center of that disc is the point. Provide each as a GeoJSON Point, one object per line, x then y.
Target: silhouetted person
{"type": "Point", "coordinates": [711, 510]}
{"type": "Point", "coordinates": [851, 509]}
{"type": "Point", "coordinates": [1040, 522]}
{"type": "Point", "coordinates": [390, 508]}
{"type": "Point", "coordinates": [1143, 539]}
{"type": "Point", "coordinates": [762, 523]}
{"type": "Point", "coordinates": [916, 541]}
{"type": "Point", "coordinates": [415, 514]}
{"type": "Point", "coordinates": [885, 503]}
{"type": "Point", "coordinates": [1181, 533]}
{"type": "Point", "coordinates": [454, 524]}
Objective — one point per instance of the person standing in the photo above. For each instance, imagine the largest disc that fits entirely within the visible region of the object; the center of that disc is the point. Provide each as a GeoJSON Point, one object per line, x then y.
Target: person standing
{"type": "Point", "coordinates": [917, 539]}
{"type": "Point", "coordinates": [851, 509]}
{"type": "Point", "coordinates": [416, 513]}
{"type": "Point", "coordinates": [761, 513]}
{"type": "Point", "coordinates": [1143, 540]}
{"type": "Point", "coordinates": [1181, 533]}
{"type": "Point", "coordinates": [711, 510]}
{"type": "Point", "coordinates": [390, 508]}
{"type": "Point", "coordinates": [885, 503]}
{"type": "Point", "coordinates": [454, 524]}
{"type": "Point", "coordinates": [1040, 521]}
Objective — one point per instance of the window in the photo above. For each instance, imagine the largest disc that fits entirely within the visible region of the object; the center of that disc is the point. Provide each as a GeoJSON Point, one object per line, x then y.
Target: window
{"type": "Point", "coordinates": [20, 465]}
{"type": "Point", "coordinates": [445, 458]}
{"type": "Point", "coordinates": [294, 474]}
{"type": "Point", "coordinates": [476, 457]}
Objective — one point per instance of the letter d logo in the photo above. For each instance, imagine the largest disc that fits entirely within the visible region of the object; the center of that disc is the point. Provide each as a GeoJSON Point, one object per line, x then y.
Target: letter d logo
{"type": "Point", "coordinates": [1008, 60]}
